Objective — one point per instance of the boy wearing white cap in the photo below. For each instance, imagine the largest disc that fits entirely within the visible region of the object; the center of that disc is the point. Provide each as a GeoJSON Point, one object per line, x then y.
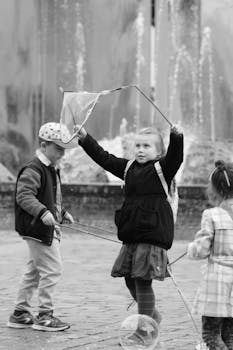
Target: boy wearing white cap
{"type": "Point", "coordinates": [38, 207]}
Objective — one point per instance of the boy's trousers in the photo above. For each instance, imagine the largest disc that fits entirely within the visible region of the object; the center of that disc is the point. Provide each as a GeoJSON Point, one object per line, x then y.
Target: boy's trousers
{"type": "Point", "coordinates": [43, 271]}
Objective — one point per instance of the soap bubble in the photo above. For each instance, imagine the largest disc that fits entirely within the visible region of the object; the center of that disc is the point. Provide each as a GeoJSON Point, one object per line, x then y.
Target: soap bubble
{"type": "Point", "coordinates": [139, 332]}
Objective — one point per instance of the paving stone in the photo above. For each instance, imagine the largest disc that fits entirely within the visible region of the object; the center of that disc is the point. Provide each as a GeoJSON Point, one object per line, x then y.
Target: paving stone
{"type": "Point", "coordinates": [94, 303]}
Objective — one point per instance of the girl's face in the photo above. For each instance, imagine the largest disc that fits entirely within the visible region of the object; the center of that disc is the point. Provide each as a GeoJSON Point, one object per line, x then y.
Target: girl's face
{"type": "Point", "coordinates": [147, 147]}
{"type": "Point", "coordinates": [53, 152]}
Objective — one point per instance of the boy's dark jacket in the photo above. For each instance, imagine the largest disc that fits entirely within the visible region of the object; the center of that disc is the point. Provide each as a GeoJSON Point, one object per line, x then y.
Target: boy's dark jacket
{"type": "Point", "coordinates": [145, 216]}
{"type": "Point", "coordinates": [27, 225]}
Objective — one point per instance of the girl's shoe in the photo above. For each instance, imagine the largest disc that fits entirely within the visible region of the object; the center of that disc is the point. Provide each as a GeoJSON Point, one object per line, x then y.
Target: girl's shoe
{"type": "Point", "coordinates": [135, 339]}
{"type": "Point", "coordinates": [25, 320]}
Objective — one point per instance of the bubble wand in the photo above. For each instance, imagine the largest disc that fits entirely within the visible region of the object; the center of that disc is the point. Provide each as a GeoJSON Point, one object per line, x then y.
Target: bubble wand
{"type": "Point", "coordinates": [77, 97]}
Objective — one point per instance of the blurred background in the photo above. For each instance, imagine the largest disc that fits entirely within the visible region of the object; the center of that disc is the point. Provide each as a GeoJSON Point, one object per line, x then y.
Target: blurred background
{"type": "Point", "coordinates": [179, 52]}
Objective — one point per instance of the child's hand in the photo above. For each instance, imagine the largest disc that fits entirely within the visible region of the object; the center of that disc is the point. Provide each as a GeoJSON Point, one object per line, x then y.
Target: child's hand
{"type": "Point", "coordinates": [192, 251]}
{"type": "Point", "coordinates": [68, 217]}
{"type": "Point", "coordinates": [81, 132]}
{"type": "Point", "coordinates": [48, 218]}
{"type": "Point", "coordinates": [176, 129]}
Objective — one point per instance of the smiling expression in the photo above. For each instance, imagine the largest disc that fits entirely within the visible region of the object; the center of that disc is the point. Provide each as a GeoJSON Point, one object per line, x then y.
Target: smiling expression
{"type": "Point", "coordinates": [53, 152]}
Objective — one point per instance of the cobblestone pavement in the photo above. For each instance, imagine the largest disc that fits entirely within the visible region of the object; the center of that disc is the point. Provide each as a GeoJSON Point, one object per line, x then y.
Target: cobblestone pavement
{"type": "Point", "coordinates": [91, 301]}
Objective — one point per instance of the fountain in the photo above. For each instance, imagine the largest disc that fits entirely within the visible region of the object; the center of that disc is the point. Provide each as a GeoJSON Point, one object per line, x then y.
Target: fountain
{"type": "Point", "coordinates": [190, 80]}
{"type": "Point", "coordinates": [202, 147]}
{"type": "Point", "coordinates": [172, 60]}
{"type": "Point", "coordinates": [80, 51]}
{"type": "Point", "coordinates": [139, 24]}
{"type": "Point", "coordinates": [75, 163]}
{"type": "Point", "coordinates": [191, 98]}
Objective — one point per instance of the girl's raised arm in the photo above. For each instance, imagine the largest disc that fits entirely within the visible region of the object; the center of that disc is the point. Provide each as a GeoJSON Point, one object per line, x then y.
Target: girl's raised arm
{"type": "Point", "coordinates": [174, 156]}
{"type": "Point", "coordinates": [106, 160]}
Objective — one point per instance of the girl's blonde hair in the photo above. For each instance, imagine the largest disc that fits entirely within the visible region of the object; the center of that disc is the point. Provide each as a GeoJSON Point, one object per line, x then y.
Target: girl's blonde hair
{"type": "Point", "coordinates": [158, 137]}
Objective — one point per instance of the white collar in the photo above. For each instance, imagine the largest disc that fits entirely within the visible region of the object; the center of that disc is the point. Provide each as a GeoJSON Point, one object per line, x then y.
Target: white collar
{"type": "Point", "coordinates": [42, 157]}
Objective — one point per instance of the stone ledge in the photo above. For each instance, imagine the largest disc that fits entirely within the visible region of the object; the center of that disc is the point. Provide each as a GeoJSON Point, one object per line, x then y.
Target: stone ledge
{"type": "Point", "coordinates": [106, 190]}
{"type": "Point", "coordinates": [96, 203]}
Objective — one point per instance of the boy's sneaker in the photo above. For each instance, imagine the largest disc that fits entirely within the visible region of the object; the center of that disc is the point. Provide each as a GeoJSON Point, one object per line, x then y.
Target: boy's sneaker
{"type": "Point", "coordinates": [25, 320]}
{"type": "Point", "coordinates": [47, 322]}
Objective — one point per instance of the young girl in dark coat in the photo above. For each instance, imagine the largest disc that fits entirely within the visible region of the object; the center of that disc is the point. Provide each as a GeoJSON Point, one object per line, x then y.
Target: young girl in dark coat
{"type": "Point", "coordinates": [145, 221]}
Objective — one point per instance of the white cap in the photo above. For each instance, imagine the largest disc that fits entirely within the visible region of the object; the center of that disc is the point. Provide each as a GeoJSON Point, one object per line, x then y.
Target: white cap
{"type": "Point", "coordinates": [52, 132]}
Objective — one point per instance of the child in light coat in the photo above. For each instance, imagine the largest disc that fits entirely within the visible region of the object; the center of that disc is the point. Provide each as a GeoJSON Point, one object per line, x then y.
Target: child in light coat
{"type": "Point", "coordinates": [214, 299]}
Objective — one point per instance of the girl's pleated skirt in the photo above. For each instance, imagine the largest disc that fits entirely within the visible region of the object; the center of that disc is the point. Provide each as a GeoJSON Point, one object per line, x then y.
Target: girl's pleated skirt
{"type": "Point", "coordinates": [141, 260]}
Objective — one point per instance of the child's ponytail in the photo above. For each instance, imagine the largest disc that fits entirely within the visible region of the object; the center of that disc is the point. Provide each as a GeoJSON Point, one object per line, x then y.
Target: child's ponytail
{"type": "Point", "coordinates": [222, 178]}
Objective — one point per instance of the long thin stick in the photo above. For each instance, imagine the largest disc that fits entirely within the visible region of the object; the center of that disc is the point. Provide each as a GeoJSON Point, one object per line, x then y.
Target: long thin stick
{"type": "Point", "coordinates": [88, 233]}
{"type": "Point", "coordinates": [185, 303]}
{"type": "Point", "coordinates": [94, 227]}
{"type": "Point", "coordinates": [179, 257]}
{"type": "Point", "coordinates": [143, 94]}
{"type": "Point", "coordinates": [153, 104]}
{"type": "Point", "coordinates": [74, 228]}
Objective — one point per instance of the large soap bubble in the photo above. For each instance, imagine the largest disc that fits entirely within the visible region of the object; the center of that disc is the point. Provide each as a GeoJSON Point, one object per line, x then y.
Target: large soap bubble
{"type": "Point", "coordinates": [139, 332]}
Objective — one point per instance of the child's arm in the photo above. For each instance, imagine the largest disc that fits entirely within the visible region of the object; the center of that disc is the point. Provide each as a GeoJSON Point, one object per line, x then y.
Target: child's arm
{"type": "Point", "coordinates": [201, 246]}
{"type": "Point", "coordinates": [108, 161]}
{"type": "Point", "coordinates": [27, 188]}
{"type": "Point", "coordinates": [174, 156]}
{"type": "Point", "coordinates": [66, 216]}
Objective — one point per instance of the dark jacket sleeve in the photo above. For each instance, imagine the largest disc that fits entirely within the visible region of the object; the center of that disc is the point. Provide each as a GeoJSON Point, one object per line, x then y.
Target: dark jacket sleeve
{"type": "Point", "coordinates": [174, 156]}
{"type": "Point", "coordinates": [28, 185]}
{"type": "Point", "coordinates": [109, 162]}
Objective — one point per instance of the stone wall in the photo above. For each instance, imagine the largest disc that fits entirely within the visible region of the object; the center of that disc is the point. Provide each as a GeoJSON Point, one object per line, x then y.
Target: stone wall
{"type": "Point", "coordinates": [95, 204]}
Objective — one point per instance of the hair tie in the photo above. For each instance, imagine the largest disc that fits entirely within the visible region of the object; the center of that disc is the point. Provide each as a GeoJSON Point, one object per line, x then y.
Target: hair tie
{"type": "Point", "coordinates": [225, 174]}
{"type": "Point", "coordinates": [211, 174]}
{"type": "Point", "coordinates": [227, 178]}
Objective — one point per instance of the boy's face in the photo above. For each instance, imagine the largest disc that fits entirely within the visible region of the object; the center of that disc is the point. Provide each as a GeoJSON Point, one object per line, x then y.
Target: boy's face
{"type": "Point", "coordinates": [147, 147]}
{"type": "Point", "coordinates": [53, 152]}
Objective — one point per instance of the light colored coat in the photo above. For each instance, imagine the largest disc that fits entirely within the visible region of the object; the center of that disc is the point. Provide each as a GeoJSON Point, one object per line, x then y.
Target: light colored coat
{"type": "Point", "coordinates": [215, 241]}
